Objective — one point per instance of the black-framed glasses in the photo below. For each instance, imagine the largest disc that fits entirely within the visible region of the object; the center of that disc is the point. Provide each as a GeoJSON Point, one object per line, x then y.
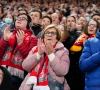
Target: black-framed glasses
{"type": "Point", "coordinates": [21, 18]}
{"type": "Point", "coordinates": [47, 33]}
{"type": "Point", "coordinates": [92, 25]}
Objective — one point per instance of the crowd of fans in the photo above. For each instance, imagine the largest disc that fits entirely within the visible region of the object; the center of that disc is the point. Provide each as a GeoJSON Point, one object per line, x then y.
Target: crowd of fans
{"type": "Point", "coordinates": [49, 41]}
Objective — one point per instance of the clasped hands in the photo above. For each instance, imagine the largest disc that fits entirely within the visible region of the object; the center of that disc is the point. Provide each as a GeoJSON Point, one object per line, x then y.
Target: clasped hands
{"type": "Point", "coordinates": [46, 47]}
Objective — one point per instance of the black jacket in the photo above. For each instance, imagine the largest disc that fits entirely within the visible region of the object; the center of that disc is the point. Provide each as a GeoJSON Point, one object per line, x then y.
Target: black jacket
{"type": "Point", "coordinates": [7, 79]}
{"type": "Point", "coordinates": [36, 29]}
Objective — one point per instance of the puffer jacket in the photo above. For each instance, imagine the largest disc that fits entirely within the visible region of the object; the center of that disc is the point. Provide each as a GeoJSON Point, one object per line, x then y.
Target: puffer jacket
{"type": "Point", "coordinates": [90, 62]}
{"type": "Point", "coordinates": [57, 68]}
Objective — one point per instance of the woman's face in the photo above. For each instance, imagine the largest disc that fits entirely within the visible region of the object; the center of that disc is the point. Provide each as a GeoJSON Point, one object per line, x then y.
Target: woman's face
{"type": "Point", "coordinates": [50, 35]}
{"type": "Point", "coordinates": [82, 21]}
{"type": "Point", "coordinates": [92, 27]}
{"type": "Point", "coordinates": [21, 22]}
{"type": "Point", "coordinates": [61, 28]}
{"type": "Point", "coordinates": [1, 76]}
{"type": "Point", "coordinates": [9, 16]}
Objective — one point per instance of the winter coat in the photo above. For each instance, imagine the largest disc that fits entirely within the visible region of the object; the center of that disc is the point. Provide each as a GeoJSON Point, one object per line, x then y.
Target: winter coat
{"type": "Point", "coordinates": [57, 68]}
{"type": "Point", "coordinates": [12, 54]}
{"type": "Point", "coordinates": [90, 62]}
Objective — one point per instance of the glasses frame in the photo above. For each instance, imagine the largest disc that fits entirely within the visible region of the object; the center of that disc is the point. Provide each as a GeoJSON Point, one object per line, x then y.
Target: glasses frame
{"type": "Point", "coordinates": [93, 25]}
{"type": "Point", "coordinates": [47, 33]}
{"type": "Point", "coordinates": [21, 18]}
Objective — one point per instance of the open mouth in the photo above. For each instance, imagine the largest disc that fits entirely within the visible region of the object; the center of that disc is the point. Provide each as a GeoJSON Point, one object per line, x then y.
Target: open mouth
{"type": "Point", "coordinates": [91, 30]}
{"type": "Point", "coordinates": [53, 20]}
{"type": "Point", "coordinates": [19, 22]}
{"type": "Point", "coordinates": [49, 39]}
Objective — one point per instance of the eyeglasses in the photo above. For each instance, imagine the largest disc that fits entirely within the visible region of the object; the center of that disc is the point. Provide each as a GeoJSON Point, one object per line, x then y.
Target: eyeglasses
{"type": "Point", "coordinates": [92, 25]}
{"type": "Point", "coordinates": [21, 18]}
{"type": "Point", "coordinates": [96, 19]}
{"type": "Point", "coordinates": [50, 33]}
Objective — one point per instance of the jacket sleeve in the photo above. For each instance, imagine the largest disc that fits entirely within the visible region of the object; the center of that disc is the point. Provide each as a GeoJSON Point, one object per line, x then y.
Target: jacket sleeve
{"type": "Point", "coordinates": [30, 61]}
{"type": "Point", "coordinates": [61, 65]}
{"type": "Point", "coordinates": [3, 45]}
{"type": "Point", "coordinates": [24, 49]}
{"type": "Point", "coordinates": [89, 61]}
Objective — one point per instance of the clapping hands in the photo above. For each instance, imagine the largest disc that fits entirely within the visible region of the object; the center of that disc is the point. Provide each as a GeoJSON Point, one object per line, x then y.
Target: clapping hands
{"type": "Point", "coordinates": [7, 33]}
{"type": "Point", "coordinates": [41, 47]}
{"type": "Point", "coordinates": [20, 36]}
{"type": "Point", "coordinates": [49, 47]}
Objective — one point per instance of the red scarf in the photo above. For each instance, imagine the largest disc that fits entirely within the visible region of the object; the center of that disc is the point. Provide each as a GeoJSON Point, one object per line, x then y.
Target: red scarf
{"type": "Point", "coordinates": [39, 74]}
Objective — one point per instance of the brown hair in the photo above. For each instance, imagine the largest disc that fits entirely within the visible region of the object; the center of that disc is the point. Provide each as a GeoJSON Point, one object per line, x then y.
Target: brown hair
{"type": "Point", "coordinates": [47, 16]}
{"type": "Point", "coordinates": [2, 10]}
{"type": "Point", "coordinates": [64, 35]}
{"type": "Point", "coordinates": [52, 26]}
{"type": "Point", "coordinates": [86, 27]}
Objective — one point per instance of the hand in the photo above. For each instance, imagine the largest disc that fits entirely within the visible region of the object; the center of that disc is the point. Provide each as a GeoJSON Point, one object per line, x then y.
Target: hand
{"type": "Point", "coordinates": [41, 47]}
{"type": "Point", "coordinates": [49, 47]}
{"type": "Point", "coordinates": [20, 36]}
{"type": "Point", "coordinates": [7, 33]}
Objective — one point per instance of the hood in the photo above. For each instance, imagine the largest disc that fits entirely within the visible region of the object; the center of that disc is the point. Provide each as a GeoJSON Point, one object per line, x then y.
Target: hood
{"type": "Point", "coordinates": [59, 45]}
{"type": "Point", "coordinates": [98, 33]}
{"type": "Point", "coordinates": [7, 79]}
{"type": "Point", "coordinates": [26, 31]}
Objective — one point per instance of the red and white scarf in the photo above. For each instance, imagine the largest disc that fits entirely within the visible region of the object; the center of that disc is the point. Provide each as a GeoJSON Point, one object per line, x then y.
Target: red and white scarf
{"type": "Point", "coordinates": [39, 75]}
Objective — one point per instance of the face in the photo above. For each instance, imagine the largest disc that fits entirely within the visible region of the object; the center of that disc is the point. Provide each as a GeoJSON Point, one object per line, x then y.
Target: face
{"type": "Point", "coordinates": [45, 22]}
{"type": "Point", "coordinates": [63, 21]}
{"type": "Point", "coordinates": [87, 15]}
{"type": "Point", "coordinates": [21, 22]}
{"type": "Point", "coordinates": [55, 18]}
{"type": "Point", "coordinates": [44, 13]}
{"type": "Point", "coordinates": [9, 16]}
{"type": "Point", "coordinates": [82, 21]}
{"type": "Point", "coordinates": [92, 27]}
{"type": "Point", "coordinates": [1, 76]}
{"type": "Point", "coordinates": [70, 20]}
{"type": "Point", "coordinates": [61, 28]}
{"type": "Point", "coordinates": [96, 17]}
{"type": "Point", "coordinates": [35, 16]}
{"type": "Point", "coordinates": [50, 35]}
{"type": "Point", "coordinates": [15, 13]}
{"type": "Point", "coordinates": [78, 25]}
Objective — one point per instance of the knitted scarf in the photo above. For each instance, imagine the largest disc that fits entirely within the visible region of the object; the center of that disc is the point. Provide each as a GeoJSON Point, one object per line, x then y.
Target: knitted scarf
{"type": "Point", "coordinates": [78, 45]}
{"type": "Point", "coordinates": [39, 74]}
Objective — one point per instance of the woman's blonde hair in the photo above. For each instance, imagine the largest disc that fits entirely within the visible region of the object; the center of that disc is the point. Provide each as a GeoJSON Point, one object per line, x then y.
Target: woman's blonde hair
{"type": "Point", "coordinates": [52, 26]}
